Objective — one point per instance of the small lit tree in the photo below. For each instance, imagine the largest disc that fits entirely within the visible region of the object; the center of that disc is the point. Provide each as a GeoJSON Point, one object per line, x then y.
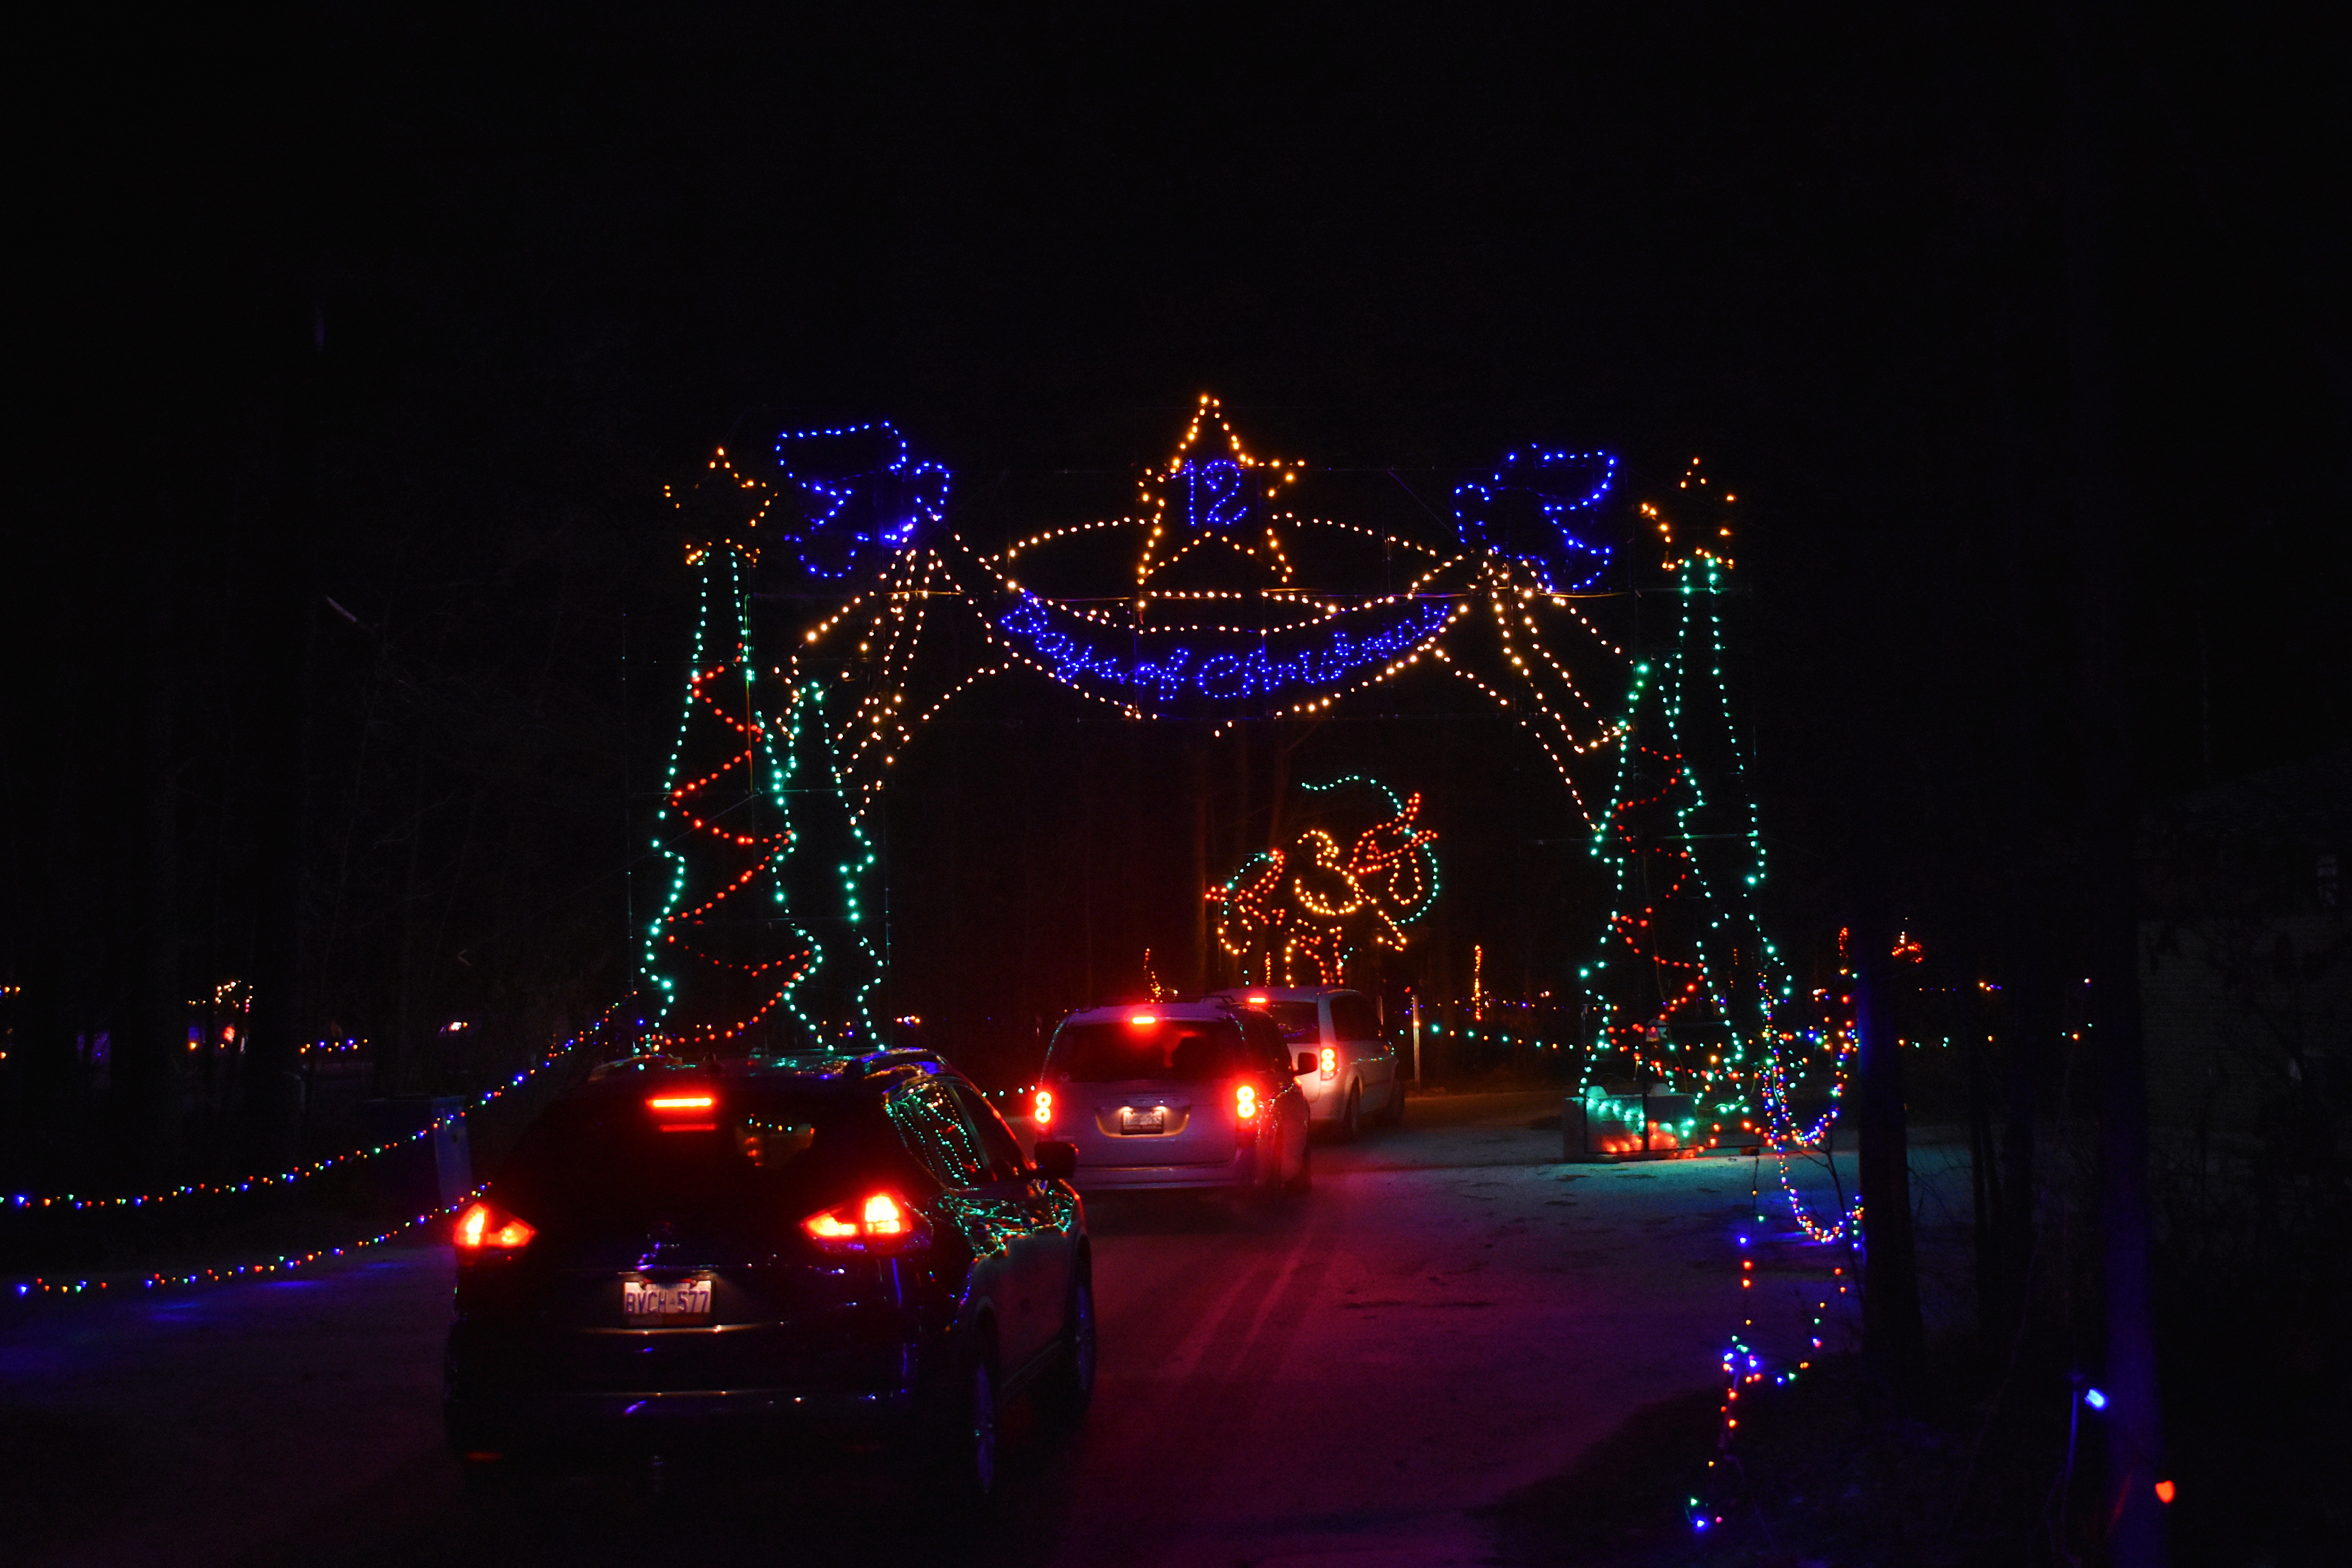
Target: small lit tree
{"type": "Point", "coordinates": [722, 958]}
{"type": "Point", "coordinates": [1686, 987]}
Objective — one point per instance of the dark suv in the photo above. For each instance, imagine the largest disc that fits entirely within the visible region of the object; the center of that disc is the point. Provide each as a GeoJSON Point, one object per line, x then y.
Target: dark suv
{"type": "Point", "coordinates": [849, 1246]}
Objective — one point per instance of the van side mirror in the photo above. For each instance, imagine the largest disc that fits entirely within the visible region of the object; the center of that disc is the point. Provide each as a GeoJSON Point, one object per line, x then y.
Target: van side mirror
{"type": "Point", "coordinates": [1055, 1161]}
{"type": "Point", "coordinates": [1304, 1064]}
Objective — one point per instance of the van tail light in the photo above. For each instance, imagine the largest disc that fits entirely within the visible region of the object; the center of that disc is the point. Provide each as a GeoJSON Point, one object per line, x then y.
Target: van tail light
{"type": "Point", "coordinates": [876, 1223]}
{"type": "Point", "coordinates": [1249, 1099]}
{"type": "Point", "coordinates": [684, 1112]}
{"type": "Point", "coordinates": [485, 1228]}
{"type": "Point", "coordinates": [1330, 1062]}
{"type": "Point", "coordinates": [1042, 1113]}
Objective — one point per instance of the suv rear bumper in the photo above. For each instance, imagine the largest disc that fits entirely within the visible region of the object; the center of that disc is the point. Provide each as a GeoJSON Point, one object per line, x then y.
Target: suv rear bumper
{"type": "Point", "coordinates": [660, 1419]}
{"type": "Point", "coordinates": [1241, 1171]}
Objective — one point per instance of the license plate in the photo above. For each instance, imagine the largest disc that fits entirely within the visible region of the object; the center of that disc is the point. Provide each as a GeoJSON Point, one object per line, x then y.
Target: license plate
{"type": "Point", "coordinates": [655, 1301]}
{"type": "Point", "coordinates": [1152, 1121]}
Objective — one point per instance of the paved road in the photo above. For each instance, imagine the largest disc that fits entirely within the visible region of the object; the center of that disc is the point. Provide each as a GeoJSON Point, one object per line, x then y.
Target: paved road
{"type": "Point", "coordinates": [1349, 1377]}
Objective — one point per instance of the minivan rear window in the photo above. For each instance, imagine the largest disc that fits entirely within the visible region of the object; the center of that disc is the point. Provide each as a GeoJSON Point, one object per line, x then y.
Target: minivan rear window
{"type": "Point", "coordinates": [1182, 1050]}
{"type": "Point", "coordinates": [1299, 1020]}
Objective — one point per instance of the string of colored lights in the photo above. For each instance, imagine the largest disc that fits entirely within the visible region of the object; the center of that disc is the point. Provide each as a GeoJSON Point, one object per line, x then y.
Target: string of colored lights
{"type": "Point", "coordinates": [864, 743]}
{"type": "Point", "coordinates": [1745, 1367]}
{"type": "Point", "coordinates": [285, 1263]}
{"type": "Point", "coordinates": [1784, 1052]}
{"type": "Point", "coordinates": [855, 1020]}
{"type": "Point", "coordinates": [1834, 1037]}
{"type": "Point", "coordinates": [270, 1179]}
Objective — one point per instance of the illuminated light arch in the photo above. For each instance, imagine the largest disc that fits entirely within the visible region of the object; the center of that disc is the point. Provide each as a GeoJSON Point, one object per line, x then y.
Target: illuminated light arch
{"type": "Point", "coordinates": [1496, 606]}
{"type": "Point", "coordinates": [1282, 648]}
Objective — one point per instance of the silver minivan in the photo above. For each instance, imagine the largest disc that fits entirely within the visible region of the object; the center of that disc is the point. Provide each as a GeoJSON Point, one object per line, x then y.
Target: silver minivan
{"type": "Point", "coordinates": [1356, 1064]}
{"type": "Point", "coordinates": [1175, 1094]}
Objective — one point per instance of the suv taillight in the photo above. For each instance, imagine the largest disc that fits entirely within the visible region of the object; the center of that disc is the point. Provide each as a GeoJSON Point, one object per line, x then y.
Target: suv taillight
{"type": "Point", "coordinates": [1041, 1113]}
{"type": "Point", "coordinates": [1245, 1103]}
{"type": "Point", "coordinates": [877, 1223]}
{"type": "Point", "coordinates": [1330, 1059]}
{"type": "Point", "coordinates": [484, 1227]}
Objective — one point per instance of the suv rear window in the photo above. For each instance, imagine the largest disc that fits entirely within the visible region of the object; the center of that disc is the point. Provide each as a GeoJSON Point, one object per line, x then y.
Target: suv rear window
{"type": "Point", "coordinates": [605, 1159]}
{"type": "Point", "coordinates": [1178, 1050]}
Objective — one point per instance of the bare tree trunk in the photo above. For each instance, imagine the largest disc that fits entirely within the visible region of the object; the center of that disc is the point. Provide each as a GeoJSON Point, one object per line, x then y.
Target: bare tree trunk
{"type": "Point", "coordinates": [1201, 958]}
{"type": "Point", "coordinates": [2031, 989]}
{"type": "Point", "coordinates": [1991, 1203]}
{"type": "Point", "coordinates": [148, 1058]}
{"type": "Point", "coordinates": [2134, 1421]}
{"type": "Point", "coordinates": [1890, 1280]}
{"type": "Point", "coordinates": [281, 543]}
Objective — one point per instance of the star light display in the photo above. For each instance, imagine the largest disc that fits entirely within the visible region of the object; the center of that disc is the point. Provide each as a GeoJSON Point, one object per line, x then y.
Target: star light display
{"type": "Point", "coordinates": [1318, 905]}
{"type": "Point", "coordinates": [1215, 494]}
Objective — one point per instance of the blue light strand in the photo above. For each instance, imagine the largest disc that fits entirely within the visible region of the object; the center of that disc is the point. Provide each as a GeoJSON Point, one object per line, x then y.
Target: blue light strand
{"type": "Point", "coordinates": [1227, 504]}
{"type": "Point", "coordinates": [1233, 675]}
{"type": "Point", "coordinates": [832, 542]}
{"type": "Point", "coordinates": [1560, 485]}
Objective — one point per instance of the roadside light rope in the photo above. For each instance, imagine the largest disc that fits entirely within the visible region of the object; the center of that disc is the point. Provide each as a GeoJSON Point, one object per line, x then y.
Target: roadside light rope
{"type": "Point", "coordinates": [286, 1178]}
{"type": "Point", "coordinates": [285, 1263]}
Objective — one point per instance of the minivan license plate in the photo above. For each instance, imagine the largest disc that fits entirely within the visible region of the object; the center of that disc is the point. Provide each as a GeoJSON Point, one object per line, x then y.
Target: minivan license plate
{"type": "Point", "coordinates": [1152, 1121]}
{"type": "Point", "coordinates": [653, 1301]}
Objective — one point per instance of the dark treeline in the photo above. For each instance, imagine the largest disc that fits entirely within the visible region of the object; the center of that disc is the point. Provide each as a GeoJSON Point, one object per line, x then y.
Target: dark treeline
{"type": "Point", "coordinates": [357, 363]}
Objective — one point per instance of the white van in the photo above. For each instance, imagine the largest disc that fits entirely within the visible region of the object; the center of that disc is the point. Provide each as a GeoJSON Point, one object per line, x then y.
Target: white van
{"type": "Point", "coordinates": [1357, 1072]}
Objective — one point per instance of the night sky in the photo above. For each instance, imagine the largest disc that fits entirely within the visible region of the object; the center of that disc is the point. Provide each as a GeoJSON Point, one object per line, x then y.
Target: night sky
{"type": "Point", "coordinates": [353, 355]}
